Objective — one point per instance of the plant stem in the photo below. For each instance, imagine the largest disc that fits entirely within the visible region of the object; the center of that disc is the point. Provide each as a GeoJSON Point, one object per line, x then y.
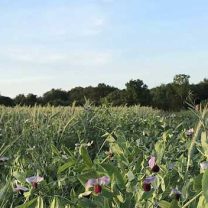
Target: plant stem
{"type": "Point", "coordinates": [189, 202]}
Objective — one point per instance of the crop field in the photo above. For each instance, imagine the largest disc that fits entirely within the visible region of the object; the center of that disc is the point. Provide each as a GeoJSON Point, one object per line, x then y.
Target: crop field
{"type": "Point", "coordinates": [103, 157]}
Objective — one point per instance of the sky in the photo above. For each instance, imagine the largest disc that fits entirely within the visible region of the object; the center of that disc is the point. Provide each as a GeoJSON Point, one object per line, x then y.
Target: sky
{"type": "Point", "coordinates": [47, 44]}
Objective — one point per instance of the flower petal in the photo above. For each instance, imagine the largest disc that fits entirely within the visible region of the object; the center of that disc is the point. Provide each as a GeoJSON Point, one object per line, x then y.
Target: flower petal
{"type": "Point", "coordinates": [90, 183]}
{"type": "Point", "coordinates": [34, 179]}
{"type": "Point", "coordinates": [85, 194]}
{"type": "Point", "coordinates": [175, 191]}
{"type": "Point", "coordinates": [152, 162]}
{"type": "Point", "coordinates": [21, 188]}
{"type": "Point", "coordinates": [204, 165]}
{"type": "Point", "coordinates": [149, 179]}
{"type": "Point", "coordinates": [105, 180]}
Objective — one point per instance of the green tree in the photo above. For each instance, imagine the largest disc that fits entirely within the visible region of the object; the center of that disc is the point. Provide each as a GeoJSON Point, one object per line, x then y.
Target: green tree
{"type": "Point", "coordinates": [6, 101]}
{"type": "Point", "coordinates": [31, 99]}
{"type": "Point", "coordinates": [56, 97]}
{"type": "Point", "coordinates": [137, 93]}
{"type": "Point", "coordinates": [20, 99]}
{"type": "Point", "coordinates": [96, 94]}
{"type": "Point", "coordinates": [116, 98]}
{"type": "Point", "coordinates": [181, 87]}
{"type": "Point", "coordinates": [77, 94]}
{"type": "Point", "coordinates": [164, 97]}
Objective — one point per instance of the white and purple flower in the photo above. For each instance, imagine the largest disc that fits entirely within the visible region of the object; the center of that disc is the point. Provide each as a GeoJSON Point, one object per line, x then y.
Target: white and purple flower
{"type": "Point", "coordinates": [34, 180]}
{"type": "Point", "coordinates": [20, 189]}
{"type": "Point", "coordinates": [96, 184]}
{"type": "Point", "coordinates": [147, 183]}
{"type": "Point", "coordinates": [175, 193]}
{"type": "Point", "coordinates": [153, 165]}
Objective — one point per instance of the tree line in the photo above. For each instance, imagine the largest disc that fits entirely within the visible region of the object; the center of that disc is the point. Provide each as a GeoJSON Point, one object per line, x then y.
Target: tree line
{"type": "Point", "coordinates": [171, 96]}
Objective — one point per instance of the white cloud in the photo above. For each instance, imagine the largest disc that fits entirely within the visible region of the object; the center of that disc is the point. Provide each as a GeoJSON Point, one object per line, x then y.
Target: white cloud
{"type": "Point", "coordinates": [40, 56]}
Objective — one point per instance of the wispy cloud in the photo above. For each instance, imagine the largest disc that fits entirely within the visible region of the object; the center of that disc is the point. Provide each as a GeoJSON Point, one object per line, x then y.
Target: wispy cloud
{"type": "Point", "coordinates": [37, 56]}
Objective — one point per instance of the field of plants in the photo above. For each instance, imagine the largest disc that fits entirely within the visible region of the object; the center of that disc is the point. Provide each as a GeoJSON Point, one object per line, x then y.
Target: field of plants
{"type": "Point", "coordinates": [103, 157]}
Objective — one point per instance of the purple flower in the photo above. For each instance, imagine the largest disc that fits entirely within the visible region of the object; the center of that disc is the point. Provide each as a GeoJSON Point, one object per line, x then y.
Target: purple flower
{"type": "Point", "coordinates": [147, 183]}
{"type": "Point", "coordinates": [20, 189]}
{"type": "Point", "coordinates": [96, 184]}
{"type": "Point", "coordinates": [105, 180]}
{"type": "Point", "coordinates": [176, 194]}
{"type": "Point", "coordinates": [152, 164]}
{"type": "Point", "coordinates": [34, 180]}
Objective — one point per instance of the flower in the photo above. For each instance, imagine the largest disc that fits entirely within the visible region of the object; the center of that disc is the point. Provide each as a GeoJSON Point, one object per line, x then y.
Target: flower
{"type": "Point", "coordinates": [96, 184]}
{"type": "Point", "coordinates": [152, 164]}
{"type": "Point", "coordinates": [21, 189]}
{"type": "Point", "coordinates": [34, 180]}
{"type": "Point", "coordinates": [189, 132]}
{"type": "Point", "coordinates": [175, 193]}
{"type": "Point", "coordinates": [3, 159]}
{"type": "Point", "coordinates": [147, 183]}
{"type": "Point", "coordinates": [204, 165]}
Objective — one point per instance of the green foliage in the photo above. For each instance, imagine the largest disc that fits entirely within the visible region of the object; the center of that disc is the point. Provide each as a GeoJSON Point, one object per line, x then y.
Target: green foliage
{"type": "Point", "coordinates": [68, 146]}
{"type": "Point", "coordinates": [170, 97]}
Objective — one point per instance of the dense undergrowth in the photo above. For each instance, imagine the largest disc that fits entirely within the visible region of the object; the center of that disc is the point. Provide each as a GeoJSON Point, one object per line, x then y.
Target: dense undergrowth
{"type": "Point", "coordinates": [67, 146]}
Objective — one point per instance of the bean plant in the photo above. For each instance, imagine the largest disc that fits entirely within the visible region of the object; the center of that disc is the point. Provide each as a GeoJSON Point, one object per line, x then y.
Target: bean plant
{"type": "Point", "coordinates": [110, 157]}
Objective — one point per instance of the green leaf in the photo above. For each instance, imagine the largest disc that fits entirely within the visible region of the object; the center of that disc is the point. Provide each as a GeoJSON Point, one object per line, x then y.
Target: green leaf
{"type": "Point", "coordinates": [55, 150]}
{"type": "Point", "coordinates": [87, 203]}
{"type": "Point", "coordinates": [28, 204]}
{"type": "Point", "coordinates": [120, 198]}
{"type": "Point", "coordinates": [66, 165]}
{"type": "Point", "coordinates": [55, 203]}
{"type": "Point", "coordinates": [19, 176]}
{"type": "Point", "coordinates": [160, 149]}
{"type": "Point", "coordinates": [204, 143]}
{"type": "Point", "coordinates": [39, 203]}
{"type": "Point", "coordinates": [3, 191]}
{"type": "Point", "coordinates": [174, 204]}
{"type": "Point", "coordinates": [164, 204]}
{"type": "Point", "coordinates": [202, 203]}
{"type": "Point", "coordinates": [197, 183]}
{"type": "Point", "coordinates": [130, 176]}
{"type": "Point", "coordinates": [205, 185]}
{"type": "Point", "coordinates": [116, 149]}
{"type": "Point", "coordinates": [115, 173]}
{"type": "Point", "coordinates": [85, 156]}
{"type": "Point", "coordinates": [106, 203]}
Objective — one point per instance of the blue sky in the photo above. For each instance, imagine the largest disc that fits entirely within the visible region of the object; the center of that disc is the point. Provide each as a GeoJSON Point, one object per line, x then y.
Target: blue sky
{"type": "Point", "coordinates": [48, 44]}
